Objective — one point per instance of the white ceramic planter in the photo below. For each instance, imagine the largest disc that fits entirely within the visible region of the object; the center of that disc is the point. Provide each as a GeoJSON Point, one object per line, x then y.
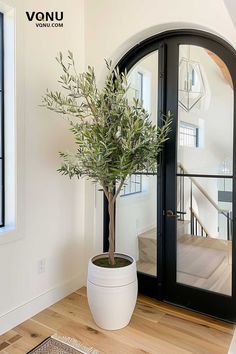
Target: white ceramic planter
{"type": "Point", "coordinates": [112, 293]}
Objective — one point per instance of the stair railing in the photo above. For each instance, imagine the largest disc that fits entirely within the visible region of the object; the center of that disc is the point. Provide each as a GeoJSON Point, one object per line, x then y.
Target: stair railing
{"type": "Point", "coordinates": [194, 218]}
{"type": "Point", "coordinates": [196, 225]}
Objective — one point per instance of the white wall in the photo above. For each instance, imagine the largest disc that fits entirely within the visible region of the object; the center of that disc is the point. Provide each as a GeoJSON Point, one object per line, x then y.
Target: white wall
{"type": "Point", "coordinates": [51, 205]}
{"type": "Point", "coordinates": [112, 27]}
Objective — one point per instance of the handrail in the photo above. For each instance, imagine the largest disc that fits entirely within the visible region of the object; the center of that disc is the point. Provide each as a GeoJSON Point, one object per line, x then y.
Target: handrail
{"type": "Point", "coordinates": [202, 190]}
{"type": "Point", "coordinates": [199, 221]}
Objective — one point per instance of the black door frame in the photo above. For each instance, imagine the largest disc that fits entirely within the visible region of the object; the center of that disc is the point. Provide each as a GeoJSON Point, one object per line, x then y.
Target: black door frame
{"type": "Point", "coordinates": [164, 287]}
{"type": "Point", "coordinates": [187, 296]}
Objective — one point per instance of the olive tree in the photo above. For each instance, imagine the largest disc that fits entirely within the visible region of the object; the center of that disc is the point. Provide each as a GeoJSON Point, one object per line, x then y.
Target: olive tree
{"type": "Point", "coordinates": [114, 137]}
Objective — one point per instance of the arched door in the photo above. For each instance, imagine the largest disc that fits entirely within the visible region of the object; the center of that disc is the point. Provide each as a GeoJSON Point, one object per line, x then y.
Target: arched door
{"type": "Point", "coordinates": [200, 176]}
{"type": "Point", "coordinates": [179, 224]}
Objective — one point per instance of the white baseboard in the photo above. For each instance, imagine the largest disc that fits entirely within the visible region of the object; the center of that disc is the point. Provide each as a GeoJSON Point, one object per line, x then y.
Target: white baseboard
{"type": "Point", "coordinates": [30, 308]}
{"type": "Point", "coordinates": [232, 348]}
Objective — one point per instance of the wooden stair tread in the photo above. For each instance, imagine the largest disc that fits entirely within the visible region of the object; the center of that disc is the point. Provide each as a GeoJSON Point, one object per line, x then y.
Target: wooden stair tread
{"type": "Point", "coordinates": [150, 234]}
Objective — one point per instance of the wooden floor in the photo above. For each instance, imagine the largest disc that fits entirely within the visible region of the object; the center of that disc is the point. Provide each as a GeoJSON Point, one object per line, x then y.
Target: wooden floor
{"type": "Point", "coordinates": [155, 328]}
{"type": "Point", "coordinates": [193, 252]}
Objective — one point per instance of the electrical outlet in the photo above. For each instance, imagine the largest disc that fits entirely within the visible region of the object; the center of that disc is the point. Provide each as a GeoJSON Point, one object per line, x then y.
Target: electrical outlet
{"type": "Point", "coordinates": [42, 266]}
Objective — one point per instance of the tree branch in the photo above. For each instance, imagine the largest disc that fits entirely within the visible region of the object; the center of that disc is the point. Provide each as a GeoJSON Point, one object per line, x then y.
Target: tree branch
{"type": "Point", "coordinates": [118, 190]}
{"type": "Point", "coordinates": [105, 190]}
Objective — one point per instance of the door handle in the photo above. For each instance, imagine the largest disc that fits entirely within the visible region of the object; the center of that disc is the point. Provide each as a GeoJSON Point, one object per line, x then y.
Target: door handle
{"type": "Point", "coordinates": [169, 213]}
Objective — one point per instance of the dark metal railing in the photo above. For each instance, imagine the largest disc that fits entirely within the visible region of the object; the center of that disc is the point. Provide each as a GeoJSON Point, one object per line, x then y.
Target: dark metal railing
{"type": "Point", "coordinates": [196, 226]}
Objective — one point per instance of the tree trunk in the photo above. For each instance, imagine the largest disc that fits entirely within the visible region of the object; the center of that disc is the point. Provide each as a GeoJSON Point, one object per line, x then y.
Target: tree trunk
{"type": "Point", "coordinates": [111, 210]}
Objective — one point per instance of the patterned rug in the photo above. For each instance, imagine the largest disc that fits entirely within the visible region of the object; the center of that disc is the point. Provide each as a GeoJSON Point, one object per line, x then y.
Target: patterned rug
{"type": "Point", "coordinates": [62, 345]}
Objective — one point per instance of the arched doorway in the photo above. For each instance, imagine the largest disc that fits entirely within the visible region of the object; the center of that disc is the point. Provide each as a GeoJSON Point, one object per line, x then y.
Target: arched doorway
{"type": "Point", "coordinates": [178, 224]}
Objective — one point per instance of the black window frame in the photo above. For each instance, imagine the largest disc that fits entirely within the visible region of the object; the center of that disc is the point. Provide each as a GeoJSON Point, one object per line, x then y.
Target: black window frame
{"type": "Point", "coordinates": [191, 127]}
{"type": "Point", "coordinates": [132, 180]}
{"type": "Point", "coordinates": [2, 155]}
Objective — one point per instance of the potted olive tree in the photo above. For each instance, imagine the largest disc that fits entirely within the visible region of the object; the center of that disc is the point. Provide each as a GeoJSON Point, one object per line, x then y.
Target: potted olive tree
{"type": "Point", "coordinates": [114, 139]}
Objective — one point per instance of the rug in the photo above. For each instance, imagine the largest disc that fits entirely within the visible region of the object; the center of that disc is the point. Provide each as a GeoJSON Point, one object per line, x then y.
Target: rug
{"type": "Point", "coordinates": [62, 345]}
{"type": "Point", "coordinates": [198, 261]}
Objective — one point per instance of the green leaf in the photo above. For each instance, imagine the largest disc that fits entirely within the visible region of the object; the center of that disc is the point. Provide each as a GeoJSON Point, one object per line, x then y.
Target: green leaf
{"type": "Point", "coordinates": [113, 137]}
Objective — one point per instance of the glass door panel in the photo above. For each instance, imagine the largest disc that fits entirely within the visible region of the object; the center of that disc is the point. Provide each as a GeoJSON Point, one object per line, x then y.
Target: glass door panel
{"type": "Point", "coordinates": [204, 171]}
{"type": "Point", "coordinates": [204, 235]}
{"type": "Point", "coordinates": [137, 204]}
{"type": "Point", "coordinates": [136, 222]}
{"type": "Point", "coordinates": [205, 112]}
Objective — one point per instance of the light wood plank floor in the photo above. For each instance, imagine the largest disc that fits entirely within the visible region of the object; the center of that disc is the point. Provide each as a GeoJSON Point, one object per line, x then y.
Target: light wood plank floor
{"type": "Point", "coordinates": [155, 328]}
{"type": "Point", "coordinates": [194, 253]}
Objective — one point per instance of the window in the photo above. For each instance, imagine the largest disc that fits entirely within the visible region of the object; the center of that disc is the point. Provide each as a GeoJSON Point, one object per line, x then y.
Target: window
{"type": "Point", "coordinates": [133, 185]}
{"type": "Point", "coordinates": [188, 135]}
{"type": "Point", "coordinates": [2, 162]}
{"type": "Point", "coordinates": [136, 86]}
{"type": "Point", "coordinates": [12, 186]}
{"type": "Point", "coordinates": [139, 91]}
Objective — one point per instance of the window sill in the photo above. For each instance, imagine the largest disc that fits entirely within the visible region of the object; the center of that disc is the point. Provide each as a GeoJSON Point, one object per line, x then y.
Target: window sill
{"type": "Point", "coordinates": [10, 233]}
{"type": "Point", "coordinates": [7, 228]}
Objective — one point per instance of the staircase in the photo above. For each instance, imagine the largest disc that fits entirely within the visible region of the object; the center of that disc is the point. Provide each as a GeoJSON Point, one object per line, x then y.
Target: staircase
{"type": "Point", "coordinates": [197, 227]}
{"type": "Point", "coordinates": [147, 246]}
{"type": "Point", "coordinates": [190, 230]}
